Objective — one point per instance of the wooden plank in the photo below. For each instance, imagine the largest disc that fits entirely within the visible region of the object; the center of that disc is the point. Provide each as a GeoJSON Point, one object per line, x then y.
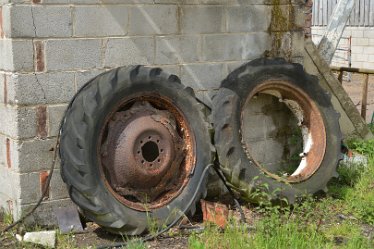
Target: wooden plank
{"type": "Point", "coordinates": [362, 13]}
{"type": "Point", "coordinates": [352, 17]}
{"type": "Point", "coordinates": [371, 14]}
{"type": "Point", "coordinates": [357, 13]}
{"type": "Point", "coordinates": [367, 12]}
{"type": "Point", "coordinates": [324, 13]}
{"type": "Point", "coordinates": [320, 10]}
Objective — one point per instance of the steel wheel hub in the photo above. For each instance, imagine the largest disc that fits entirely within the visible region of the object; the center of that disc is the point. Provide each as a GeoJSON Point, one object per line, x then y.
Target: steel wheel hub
{"type": "Point", "coordinates": [142, 155]}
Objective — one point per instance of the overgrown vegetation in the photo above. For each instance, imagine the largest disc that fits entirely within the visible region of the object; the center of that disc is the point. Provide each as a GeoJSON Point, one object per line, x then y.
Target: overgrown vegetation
{"type": "Point", "coordinates": [343, 218]}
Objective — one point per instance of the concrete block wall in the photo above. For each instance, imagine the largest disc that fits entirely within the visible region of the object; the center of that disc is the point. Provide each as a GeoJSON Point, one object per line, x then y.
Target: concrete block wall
{"type": "Point", "coordinates": [50, 48]}
{"type": "Point", "coordinates": [362, 46]}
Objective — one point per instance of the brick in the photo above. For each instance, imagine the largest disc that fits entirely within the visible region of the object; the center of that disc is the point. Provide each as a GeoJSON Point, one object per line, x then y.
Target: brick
{"type": "Point", "coordinates": [129, 51]}
{"type": "Point", "coordinates": [55, 115]}
{"type": "Point", "coordinates": [360, 57]}
{"type": "Point", "coordinates": [223, 47]}
{"type": "Point", "coordinates": [202, 19]}
{"type": "Point", "coordinates": [101, 20]}
{"type": "Point", "coordinates": [43, 176]}
{"type": "Point", "coordinates": [34, 155]}
{"type": "Point", "coordinates": [73, 54]}
{"type": "Point", "coordinates": [41, 122]}
{"type": "Point", "coordinates": [39, 21]}
{"type": "Point", "coordinates": [39, 56]}
{"type": "Point", "coordinates": [177, 49]}
{"type": "Point", "coordinates": [203, 76]}
{"type": "Point", "coordinates": [150, 20]}
{"type": "Point", "coordinates": [252, 18]}
{"type": "Point", "coordinates": [8, 153]}
{"type": "Point", "coordinates": [21, 122]}
{"type": "Point", "coordinates": [30, 89]}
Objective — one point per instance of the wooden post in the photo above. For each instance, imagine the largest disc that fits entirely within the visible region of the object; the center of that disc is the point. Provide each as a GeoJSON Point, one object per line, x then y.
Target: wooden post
{"type": "Point", "coordinates": [364, 96]}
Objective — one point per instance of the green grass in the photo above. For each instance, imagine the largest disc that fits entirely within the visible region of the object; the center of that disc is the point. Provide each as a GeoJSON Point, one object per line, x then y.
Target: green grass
{"type": "Point", "coordinates": [337, 220]}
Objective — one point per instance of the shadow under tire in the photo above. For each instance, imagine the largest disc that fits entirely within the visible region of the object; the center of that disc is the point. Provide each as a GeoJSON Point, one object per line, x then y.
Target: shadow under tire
{"type": "Point", "coordinates": [134, 144]}
{"type": "Point", "coordinates": [316, 117]}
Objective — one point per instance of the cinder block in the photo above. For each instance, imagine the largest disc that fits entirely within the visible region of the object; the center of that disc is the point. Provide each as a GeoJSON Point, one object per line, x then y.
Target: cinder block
{"type": "Point", "coordinates": [253, 18]}
{"type": "Point", "coordinates": [360, 41]}
{"type": "Point", "coordinates": [10, 190]}
{"type": "Point", "coordinates": [177, 49]}
{"type": "Point", "coordinates": [202, 19]}
{"type": "Point", "coordinates": [58, 188]}
{"type": "Point", "coordinates": [29, 188]}
{"type": "Point", "coordinates": [55, 115]}
{"type": "Point", "coordinates": [34, 155]}
{"type": "Point", "coordinates": [150, 20]}
{"type": "Point", "coordinates": [20, 122]}
{"type": "Point", "coordinates": [369, 33]}
{"type": "Point", "coordinates": [203, 76]}
{"type": "Point", "coordinates": [73, 54]}
{"type": "Point", "coordinates": [360, 57]}
{"type": "Point", "coordinates": [83, 77]}
{"type": "Point", "coordinates": [44, 215]}
{"type": "Point", "coordinates": [38, 21]}
{"type": "Point", "coordinates": [235, 47]}
{"type": "Point", "coordinates": [129, 51]}
{"type": "Point", "coordinates": [32, 89]}
{"type": "Point", "coordinates": [16, 55]}
{"type": "Point", "coordinates": [368, 65]}
{"type": "Point", "coordinates": [3, 88]}
{"type": "Point", "coordinates": [104, 20]}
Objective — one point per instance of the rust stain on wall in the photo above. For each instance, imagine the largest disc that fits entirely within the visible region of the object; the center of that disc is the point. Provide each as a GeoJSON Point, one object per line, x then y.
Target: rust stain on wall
{"type": "Point", "coordinates": [39, 58]}
{"type": "Point", "coordinates": [41, 119]}
{"type": "Point", "coordinates": [8, 156]}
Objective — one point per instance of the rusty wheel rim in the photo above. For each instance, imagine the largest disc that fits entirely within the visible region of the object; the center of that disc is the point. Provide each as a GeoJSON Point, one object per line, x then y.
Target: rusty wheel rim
{"type": "Point", "coordinates": [146, 152]}
{"type": "Point", "coordinates": [309, 120]}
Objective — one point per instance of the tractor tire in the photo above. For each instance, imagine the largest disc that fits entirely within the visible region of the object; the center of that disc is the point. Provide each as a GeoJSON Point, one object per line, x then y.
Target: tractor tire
{"type": "Point", "coordinates": [313, 111]}
{"type": "Point", "coordinates": [134, 143]}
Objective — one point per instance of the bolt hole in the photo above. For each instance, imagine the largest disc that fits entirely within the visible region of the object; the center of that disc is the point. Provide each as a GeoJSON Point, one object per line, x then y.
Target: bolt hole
{"type": "Point", "coordinates": [162, 150]}
{"type": "Point", "coordinates": [141, 141]}
{"type": "Point", "coordinates": [139, 152]}
{"type": "Point", "coordinates": [151, 165]}
{"type": "Point", "coordinates": [158, 141]}
{"type": "Point", "coordinates": [149, 137]}
{"type": "Point", "coordinates": [158, 160]}
{"type": "Point", "coordinates": [150, 151]}
{"type": "Point", "coordinates": [142, 161]}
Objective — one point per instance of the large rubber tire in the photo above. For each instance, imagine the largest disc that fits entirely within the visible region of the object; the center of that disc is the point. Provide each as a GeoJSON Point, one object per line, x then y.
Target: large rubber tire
{"type": "Point", "coordinates": [79, 138]}
{"type": "Point", "coordinates": [242, 173]}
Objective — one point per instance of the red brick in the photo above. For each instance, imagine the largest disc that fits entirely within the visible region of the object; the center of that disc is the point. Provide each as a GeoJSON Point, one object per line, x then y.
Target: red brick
{"type": "Point", "coordinates": [8, 157]}
{"type": "Point", "coordinates": [39, 56]}
{"type": "Point", "coordinates": [43, 176]}
{"type": "Point", "coordinates": [41, 121]}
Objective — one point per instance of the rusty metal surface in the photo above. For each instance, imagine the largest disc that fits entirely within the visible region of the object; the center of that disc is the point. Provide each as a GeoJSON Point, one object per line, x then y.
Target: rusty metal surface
{"type": "Point", "coordinates": [310, 121]}
{"type": "Point", "coordinates": [146, 153]}
{"type": "Point", "coordinates": [214, 212]}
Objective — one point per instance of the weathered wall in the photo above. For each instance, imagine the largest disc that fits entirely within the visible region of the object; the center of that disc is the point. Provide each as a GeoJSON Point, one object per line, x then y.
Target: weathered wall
{"type": "Point", "coordinates": [49, 48]}
{"type": "Point", "coordinates": [362, 46]}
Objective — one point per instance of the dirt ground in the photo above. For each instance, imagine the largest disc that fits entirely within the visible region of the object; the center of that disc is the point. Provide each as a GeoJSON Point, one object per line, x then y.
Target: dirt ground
{"type": "Point", "coordinates": [94, 236]}
{"type": "Point", "coordinates": [354, 90]}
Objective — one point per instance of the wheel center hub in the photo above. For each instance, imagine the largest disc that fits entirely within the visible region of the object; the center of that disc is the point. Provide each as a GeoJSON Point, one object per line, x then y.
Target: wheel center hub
{"type": "Point", "coordinates": [143, 152]}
